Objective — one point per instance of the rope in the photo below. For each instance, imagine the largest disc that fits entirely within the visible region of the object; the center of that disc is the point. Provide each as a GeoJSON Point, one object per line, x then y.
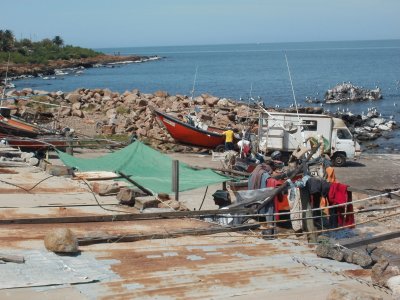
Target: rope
{"type": "Point", "coordinates": [318, 208]}
{"type": "Point", "coordinates": [99, 204]}
{"type": "Point", "coordinates": [331, 229]}
{"type": "Point", "coordinates": [25, 189]}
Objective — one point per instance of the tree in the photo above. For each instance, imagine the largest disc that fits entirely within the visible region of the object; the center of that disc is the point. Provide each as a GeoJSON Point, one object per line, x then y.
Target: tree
{"type": "Point", "coordinates": [8, 40]}
{"type": "Point", "coordinates": [58, 41]}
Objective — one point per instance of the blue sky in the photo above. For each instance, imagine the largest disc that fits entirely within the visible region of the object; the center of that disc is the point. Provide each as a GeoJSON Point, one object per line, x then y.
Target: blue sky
{"type": "Point", "coordinates": [130, 23]}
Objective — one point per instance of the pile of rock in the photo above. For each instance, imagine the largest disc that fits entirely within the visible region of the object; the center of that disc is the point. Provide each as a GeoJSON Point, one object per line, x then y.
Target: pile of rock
{"type": "Point", "coordinates": [102, 111]}
{"type": "Point", "coordinates": [349, 92]}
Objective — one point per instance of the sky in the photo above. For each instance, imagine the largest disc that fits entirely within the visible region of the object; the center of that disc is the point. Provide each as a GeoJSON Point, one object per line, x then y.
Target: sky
{"type": "Point", "coordinates": [140, 23]}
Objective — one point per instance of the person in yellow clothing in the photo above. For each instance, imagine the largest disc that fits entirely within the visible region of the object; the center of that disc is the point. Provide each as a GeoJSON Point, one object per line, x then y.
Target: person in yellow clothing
{"type": "Point", "coordinates": [228, 139]}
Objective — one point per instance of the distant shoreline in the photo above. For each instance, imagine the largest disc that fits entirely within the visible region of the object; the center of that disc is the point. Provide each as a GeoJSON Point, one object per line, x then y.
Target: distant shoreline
{"type": "Point", "coordinates": [16, 71]}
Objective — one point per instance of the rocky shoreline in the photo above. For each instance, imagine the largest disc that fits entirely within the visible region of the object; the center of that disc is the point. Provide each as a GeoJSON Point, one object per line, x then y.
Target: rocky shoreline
{"type": "Point", "coordinates": [93, 112]}
{"type": "Point", "coordinates": [348, 92]}
{"type": "Point", "coordinates": [16, 71]}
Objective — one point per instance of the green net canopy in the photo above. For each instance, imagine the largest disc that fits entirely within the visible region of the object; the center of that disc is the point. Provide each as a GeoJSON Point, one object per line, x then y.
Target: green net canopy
{"type": "Point", "coordinates": [147, 167]}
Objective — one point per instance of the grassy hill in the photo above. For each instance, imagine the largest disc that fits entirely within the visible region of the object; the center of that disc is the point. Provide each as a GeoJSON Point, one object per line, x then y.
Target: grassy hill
{"type": "Point", "coordinates": [25, 51]}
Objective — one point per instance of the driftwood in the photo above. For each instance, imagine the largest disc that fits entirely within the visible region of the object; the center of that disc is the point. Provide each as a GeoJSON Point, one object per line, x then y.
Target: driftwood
{"type": "Point", "coordinates": [172, 234]}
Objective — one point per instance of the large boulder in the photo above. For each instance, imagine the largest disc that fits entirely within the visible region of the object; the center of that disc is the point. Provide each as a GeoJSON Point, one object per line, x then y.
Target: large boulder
{"type": "Point", "coordinates": [40, 93]}
{"type": "Point", "coordinates": [130, 98]}
{"type": "Point", "coordinates": [73, 97]}
{"type": "Point", "coordinates": [61, 240]}
{"type": "Point", "coordinates": [211, 101]}
{"type": "Point", "coordinates": [161, 94]}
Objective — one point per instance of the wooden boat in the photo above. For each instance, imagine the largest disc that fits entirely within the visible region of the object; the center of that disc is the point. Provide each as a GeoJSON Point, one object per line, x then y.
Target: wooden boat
{"type": "Point", "coordinates": [10, 125]}
{"type": "Point", "coordinates": [187, 134]}
{"type": "Point", "coordinates": [35, 144]}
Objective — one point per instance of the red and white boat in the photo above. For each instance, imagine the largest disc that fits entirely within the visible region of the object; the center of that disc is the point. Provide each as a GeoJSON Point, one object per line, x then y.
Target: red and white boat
{"type": "Point", "coordinates": [187, 134]}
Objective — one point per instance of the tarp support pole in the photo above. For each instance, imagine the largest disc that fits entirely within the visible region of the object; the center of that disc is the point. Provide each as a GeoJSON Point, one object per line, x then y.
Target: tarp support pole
{"type": "Point", "coordinates": [175, 178]}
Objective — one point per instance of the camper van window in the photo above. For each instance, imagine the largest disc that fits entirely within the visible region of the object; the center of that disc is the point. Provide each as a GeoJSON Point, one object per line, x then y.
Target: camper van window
{"type": "Point", "coordinates": [344, 134]}
{"type": "Point", "coordinates": [310, 125]}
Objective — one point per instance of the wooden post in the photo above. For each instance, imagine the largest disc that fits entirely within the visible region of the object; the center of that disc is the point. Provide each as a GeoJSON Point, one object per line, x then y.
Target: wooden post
{"type": "Point", "coordinates": [70, 148]}
{"type": "Point", "coordinates": [175, 178]}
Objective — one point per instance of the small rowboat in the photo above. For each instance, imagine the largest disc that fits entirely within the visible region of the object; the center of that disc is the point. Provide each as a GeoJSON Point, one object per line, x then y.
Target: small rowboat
{"type": "Point", "coordinates": [190, 135]}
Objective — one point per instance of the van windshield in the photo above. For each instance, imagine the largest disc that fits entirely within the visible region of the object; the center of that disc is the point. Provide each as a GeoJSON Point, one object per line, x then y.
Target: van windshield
{"type": "Point", "coordinates": [344, 134]}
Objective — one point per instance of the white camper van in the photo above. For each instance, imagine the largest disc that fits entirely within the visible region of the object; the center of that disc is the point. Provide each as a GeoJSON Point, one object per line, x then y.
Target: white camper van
{"type": "Point", "coordinates": [287, 131]}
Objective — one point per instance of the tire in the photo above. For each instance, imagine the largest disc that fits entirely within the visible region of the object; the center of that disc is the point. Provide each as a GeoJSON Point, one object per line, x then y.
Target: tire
{"type": "Point", "coordinates": [339, 160]}
{"type": "Point", "coordinates": [220, 148]}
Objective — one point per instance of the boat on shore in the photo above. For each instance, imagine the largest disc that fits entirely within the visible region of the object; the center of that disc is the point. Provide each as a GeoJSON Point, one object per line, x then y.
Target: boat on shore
{"type": "Point", "coordinates": [11, 125]}
{"type": "Point", "coordinates": [26, 136]}
{"type": "Point", "coordinates": [191, 135]}
{"type": "Point", "coordinates": [35, 144]}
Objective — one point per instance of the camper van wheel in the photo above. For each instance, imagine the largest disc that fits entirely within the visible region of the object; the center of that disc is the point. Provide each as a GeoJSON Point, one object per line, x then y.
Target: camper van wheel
{"type": "Point", "coordinates": [220, 148]}
{"type": "Point", "coordinates": [339, 160]}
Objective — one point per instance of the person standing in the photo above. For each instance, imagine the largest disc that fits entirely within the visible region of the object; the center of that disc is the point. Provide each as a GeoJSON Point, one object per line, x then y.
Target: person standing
{"type": "Point", "coordinates": [228, 138]}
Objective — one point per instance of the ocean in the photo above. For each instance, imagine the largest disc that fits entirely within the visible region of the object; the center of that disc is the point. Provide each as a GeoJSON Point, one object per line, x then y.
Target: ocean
{"type": "Point", "coordinates": [257, 70]}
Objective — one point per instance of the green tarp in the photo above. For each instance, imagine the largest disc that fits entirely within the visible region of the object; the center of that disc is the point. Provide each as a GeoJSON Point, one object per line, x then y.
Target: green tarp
{"type": "Point", "coordinates": [147, 167]}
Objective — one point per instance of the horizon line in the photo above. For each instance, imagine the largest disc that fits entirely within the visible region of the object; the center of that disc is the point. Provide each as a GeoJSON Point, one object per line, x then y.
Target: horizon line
{"type": "Point", "coordinates": [247, 43]}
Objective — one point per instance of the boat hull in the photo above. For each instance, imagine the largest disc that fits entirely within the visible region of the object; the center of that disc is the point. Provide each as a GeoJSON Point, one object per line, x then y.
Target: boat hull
{"type": "Point", "coordinates": [186, 134]}
{"type": "Point", "coordinates": [36, 144]}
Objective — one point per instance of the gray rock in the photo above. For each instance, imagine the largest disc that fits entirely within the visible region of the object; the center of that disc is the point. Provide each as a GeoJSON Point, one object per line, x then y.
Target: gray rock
{"type": "Point", "coordinates": [33, 161]}
{"type": "Point", "coordinates": [393, 284]}
{"type": "Point", "coordinates": [329, 251]}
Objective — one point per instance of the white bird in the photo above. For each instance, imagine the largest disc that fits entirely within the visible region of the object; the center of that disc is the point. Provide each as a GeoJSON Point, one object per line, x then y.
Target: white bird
{"type": "Point", "coordinates": [391, 117]}
{"type": "Point", "coordinates": [394, 104]}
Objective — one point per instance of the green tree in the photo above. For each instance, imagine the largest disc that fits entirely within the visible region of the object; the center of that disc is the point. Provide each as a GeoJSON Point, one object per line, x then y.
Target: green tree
{"type": "Point", "coordinates": [58, 41]}
{"type": "Point", "coordinates": [8, 40]}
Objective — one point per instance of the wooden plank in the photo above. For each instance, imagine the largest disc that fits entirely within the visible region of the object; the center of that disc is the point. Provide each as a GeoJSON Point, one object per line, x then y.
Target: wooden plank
{"type": "Point", "coordinates": [139, 237]}
{"type": "Point", "coordinates": [12, 258]}
{"type": "Point", "coordinates": [372, 240]}
{"type": "Point", "coordinates": [96, 175]}
{"type": "Point", "coordinates": [125, 217]}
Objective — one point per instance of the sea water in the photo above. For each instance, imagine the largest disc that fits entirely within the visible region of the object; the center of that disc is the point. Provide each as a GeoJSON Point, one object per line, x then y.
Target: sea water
{"type": "Point", "coordinates": [256, 70]}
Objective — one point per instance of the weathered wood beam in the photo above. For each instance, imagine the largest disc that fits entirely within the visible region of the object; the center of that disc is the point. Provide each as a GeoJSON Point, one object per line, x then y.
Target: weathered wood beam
{"type": "Point", "coordinates": [139, 237]}
{"type": "Point", "coordinates": [12, 258]}
{"type": "Point", "coordinates": [372, 240]}
{"type": "Point", "coordinates": [124, 217]}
